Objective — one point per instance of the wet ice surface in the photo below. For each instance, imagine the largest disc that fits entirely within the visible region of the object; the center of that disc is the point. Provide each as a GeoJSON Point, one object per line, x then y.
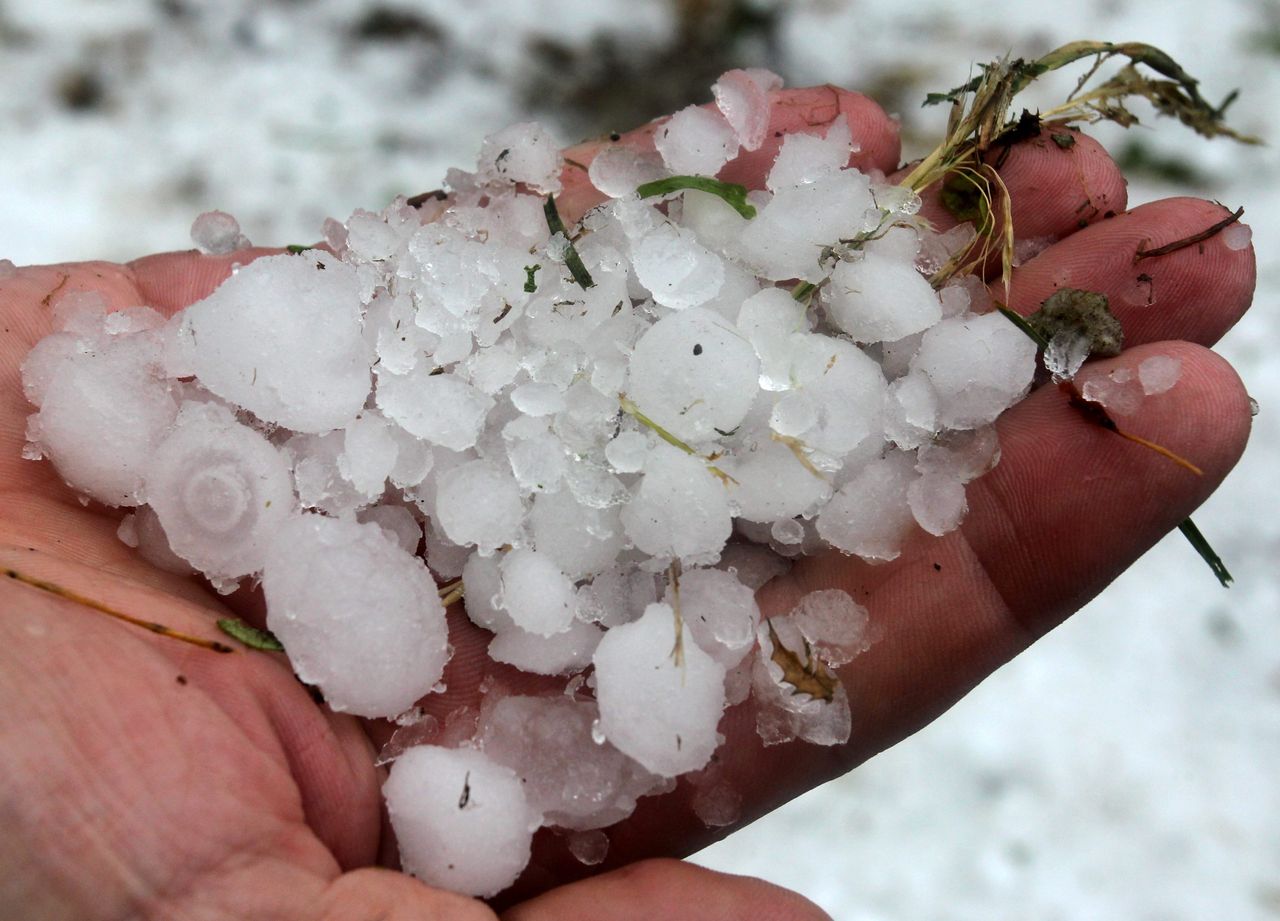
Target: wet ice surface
{"type": "Point", "coordinates": [1040, 834]}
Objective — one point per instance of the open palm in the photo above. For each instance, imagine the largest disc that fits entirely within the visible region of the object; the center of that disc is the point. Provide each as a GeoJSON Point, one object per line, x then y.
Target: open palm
{"type": "Point", "coordinates": [147, 778]}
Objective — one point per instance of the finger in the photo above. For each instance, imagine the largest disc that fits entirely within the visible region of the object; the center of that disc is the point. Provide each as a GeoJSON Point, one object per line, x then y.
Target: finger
{"type": "Point", "coordinates": [1196, 293]}
{"type": "Point", "coordinates": [171, 281]}
{"type": "Point", "coordinates": [667, 889]}
{"type": "Point", "coordinates": [1054, 187]}
{"type": "Point", "coordinates": [390, 896]}
{"type": "Point", "coordinates": [807, 110]}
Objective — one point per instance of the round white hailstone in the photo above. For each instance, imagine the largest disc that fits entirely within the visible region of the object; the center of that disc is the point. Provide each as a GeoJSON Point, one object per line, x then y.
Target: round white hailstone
{"type": "Point", "coordinates": [769, 319]}
{"type": "Point", "coordinates": [483, 580]}
{"type": "Point", "coordinates": [217, 233]}
{"type": "Point", "coordinates": [679, 509]}
{"type": "Point", "coordinates": [538, 463]}
{"type": "Point", "coordinates": [714, 222]}
{"type": "Point", "coordinates": [1119, 390]}
{"type": "Point", "coordinates": [745, 107]}
{"type": "Point", "coordinates": [619, 171]}
{"type": "Point", "coordinates": [580, 540]}
{"type": "Point", "coordinates": [220, 490]}
{"type": "Point", "coordinates": [462, 822]}
{"type": "Point", "coordinates": [787, 236]}
{"type": "Point", "coordinates": [536, 593]}
{"type": "Point", "coordinates": [806, 157]}
{"type": "Point", "coordinates": [846, 388]}
{"type": "Point", "coordinates": [369, 454]}
{"type": "Point", "coordinates": [525, 153]}
{"type": "Point", "coordinates": [444, 558]}
{"type": "Point", "coordinates": [1159, 373]}
{"type": "Point", "coordinates": [661, 712]}
{"type": "Point", "coordinates": [282, 338]}
{"type": "Point", "coordinates": [793, 414]}
{"type": "Point", "coordinates": [102, 413]}
{"type": "Point", "coordinates": [626, 453]}
{"type": "Point", "coordinates": [370, 237]}
{"type": "Point", "coordinates": [937, 502]}
{"type": "Point", "coordinates": [835, 625]}
{"type": "Point", "coordinates": [773, 484]}
{"type": "Point", "coordinates": [536, 399]}
{"type": "Point", "coordinates": [678, 270]}
{"type": "Point", "coordinates": [439, 408]}
{"type": "Point", "coordinates": [560, 654]}
{"type": "Point", "coordinates": [696, 142]}
{"type": "Point", "coordinates": [979, 366]}
{"type": "Point", "coordinates": [477, 503]}
{"type": "Point", "coordinates": [414, 459]}
{"type": "Point", "coordinates": [398, 523]}
{"type": "Point", "coordinates": [878, 299]}
{"type": "Point", "coordinates": [720, 612]}
{"type": "Point", "coordinates": [694, 375]}
{"type": "Point", "coordinates": [870, 516]}
{"type": "Point", "coordinates": [358, 616]}
{"type": "Point", "coordinates": [574, 781]}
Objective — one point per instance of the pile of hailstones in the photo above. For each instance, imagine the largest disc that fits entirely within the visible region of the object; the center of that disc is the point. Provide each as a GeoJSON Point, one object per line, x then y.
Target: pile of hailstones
{"type": "Point", "coordinates": [611, 466]}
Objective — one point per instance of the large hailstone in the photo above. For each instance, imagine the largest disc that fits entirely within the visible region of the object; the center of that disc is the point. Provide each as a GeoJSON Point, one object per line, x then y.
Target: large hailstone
{"type": "Point", "coordinates": [220, 490]}
{"type": "Point", "coordinates": [979, 366]}
{"type": "Point", "coordinates": [880, 299]}
{"type": "Point", "coordinates": [281, 337]}
{"type": "Point", "coordinates": [102, 411]}
{"type": "Point", "coordinates": [462, 821]}
{"type": "Point", "coordinates": [679, 509]}
{"type": "Point", "coordinates": [694, 375]}
{"type": "Point", "coordinates": [660, 711]}
{"type": "Point", "coordinates": [359, 617]}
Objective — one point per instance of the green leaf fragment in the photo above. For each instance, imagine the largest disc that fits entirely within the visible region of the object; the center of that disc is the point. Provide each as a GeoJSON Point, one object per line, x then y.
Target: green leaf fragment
{"type": "Point", "coordinates": [734, 195]}
{"type": "Point", "coordinates": [530, 283]}
{"type": "Point", "coordinates": [572, 260]}
{"type": "Point", "coordinates": [1065, 141]}
{"type": "Point", "coordinates": [295, 248]}
{"type": "Point", "coordinates": [249, 635]}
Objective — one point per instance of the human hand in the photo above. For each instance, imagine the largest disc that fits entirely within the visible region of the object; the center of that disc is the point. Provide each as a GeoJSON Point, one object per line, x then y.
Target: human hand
{"type": "Point", "coordinates": [235, 793]}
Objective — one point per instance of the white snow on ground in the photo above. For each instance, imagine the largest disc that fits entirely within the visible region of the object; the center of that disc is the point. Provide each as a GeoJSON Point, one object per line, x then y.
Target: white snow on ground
{"type": "Point", "coordinates": [1125, 767]}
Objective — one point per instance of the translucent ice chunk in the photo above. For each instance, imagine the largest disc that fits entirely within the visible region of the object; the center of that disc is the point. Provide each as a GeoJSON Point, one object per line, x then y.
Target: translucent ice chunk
{"type": "Point", "coordinates": [218, 233]}
{"type": "Point", "coordinates": [877, 299]}
{"type": "Point", "coordinates": [869, 516]}
{"type": "Point", "coordinates": [1159, 373]}
{"type": "Point", "coordinates": [978, 365]}
{"type": "Point", "coordinates": [743, 103]}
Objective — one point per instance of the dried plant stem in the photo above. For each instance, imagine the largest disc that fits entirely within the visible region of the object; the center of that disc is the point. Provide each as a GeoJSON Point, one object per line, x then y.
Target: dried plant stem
{"type": "Point", "coordinates": [54, 589]}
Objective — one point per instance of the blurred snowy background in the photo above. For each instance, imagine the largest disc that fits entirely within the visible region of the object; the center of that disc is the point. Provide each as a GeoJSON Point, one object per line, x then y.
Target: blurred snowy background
{"type": "Point", "coordinates": [1129, 765]}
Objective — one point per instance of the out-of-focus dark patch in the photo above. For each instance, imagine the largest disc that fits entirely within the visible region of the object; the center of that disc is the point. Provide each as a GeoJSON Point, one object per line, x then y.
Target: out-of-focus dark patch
{"type": "Point", "coordinates": [395, 24]}
{"type": "Point", "coordinates": [612, 83]}
{"type": "Point", "coordinates": [81, 90]}
{"type": "Point", "coordinates": [1137, 158]}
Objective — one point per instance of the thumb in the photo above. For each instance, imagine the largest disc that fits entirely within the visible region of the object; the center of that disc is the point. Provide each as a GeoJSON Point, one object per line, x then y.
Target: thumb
{"type": "Point", "coordinates": [391, 896]}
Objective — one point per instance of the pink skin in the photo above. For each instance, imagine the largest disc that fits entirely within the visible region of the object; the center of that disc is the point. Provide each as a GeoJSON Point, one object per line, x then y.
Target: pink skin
{"type": "Point", "coordinates": [234, 795]}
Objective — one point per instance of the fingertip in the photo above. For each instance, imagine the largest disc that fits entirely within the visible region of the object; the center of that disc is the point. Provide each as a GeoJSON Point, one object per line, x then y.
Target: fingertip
{"type": "Point", "coordinates": [665, 888]}
{"type": "Point", "coordinates": [171, 281]}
